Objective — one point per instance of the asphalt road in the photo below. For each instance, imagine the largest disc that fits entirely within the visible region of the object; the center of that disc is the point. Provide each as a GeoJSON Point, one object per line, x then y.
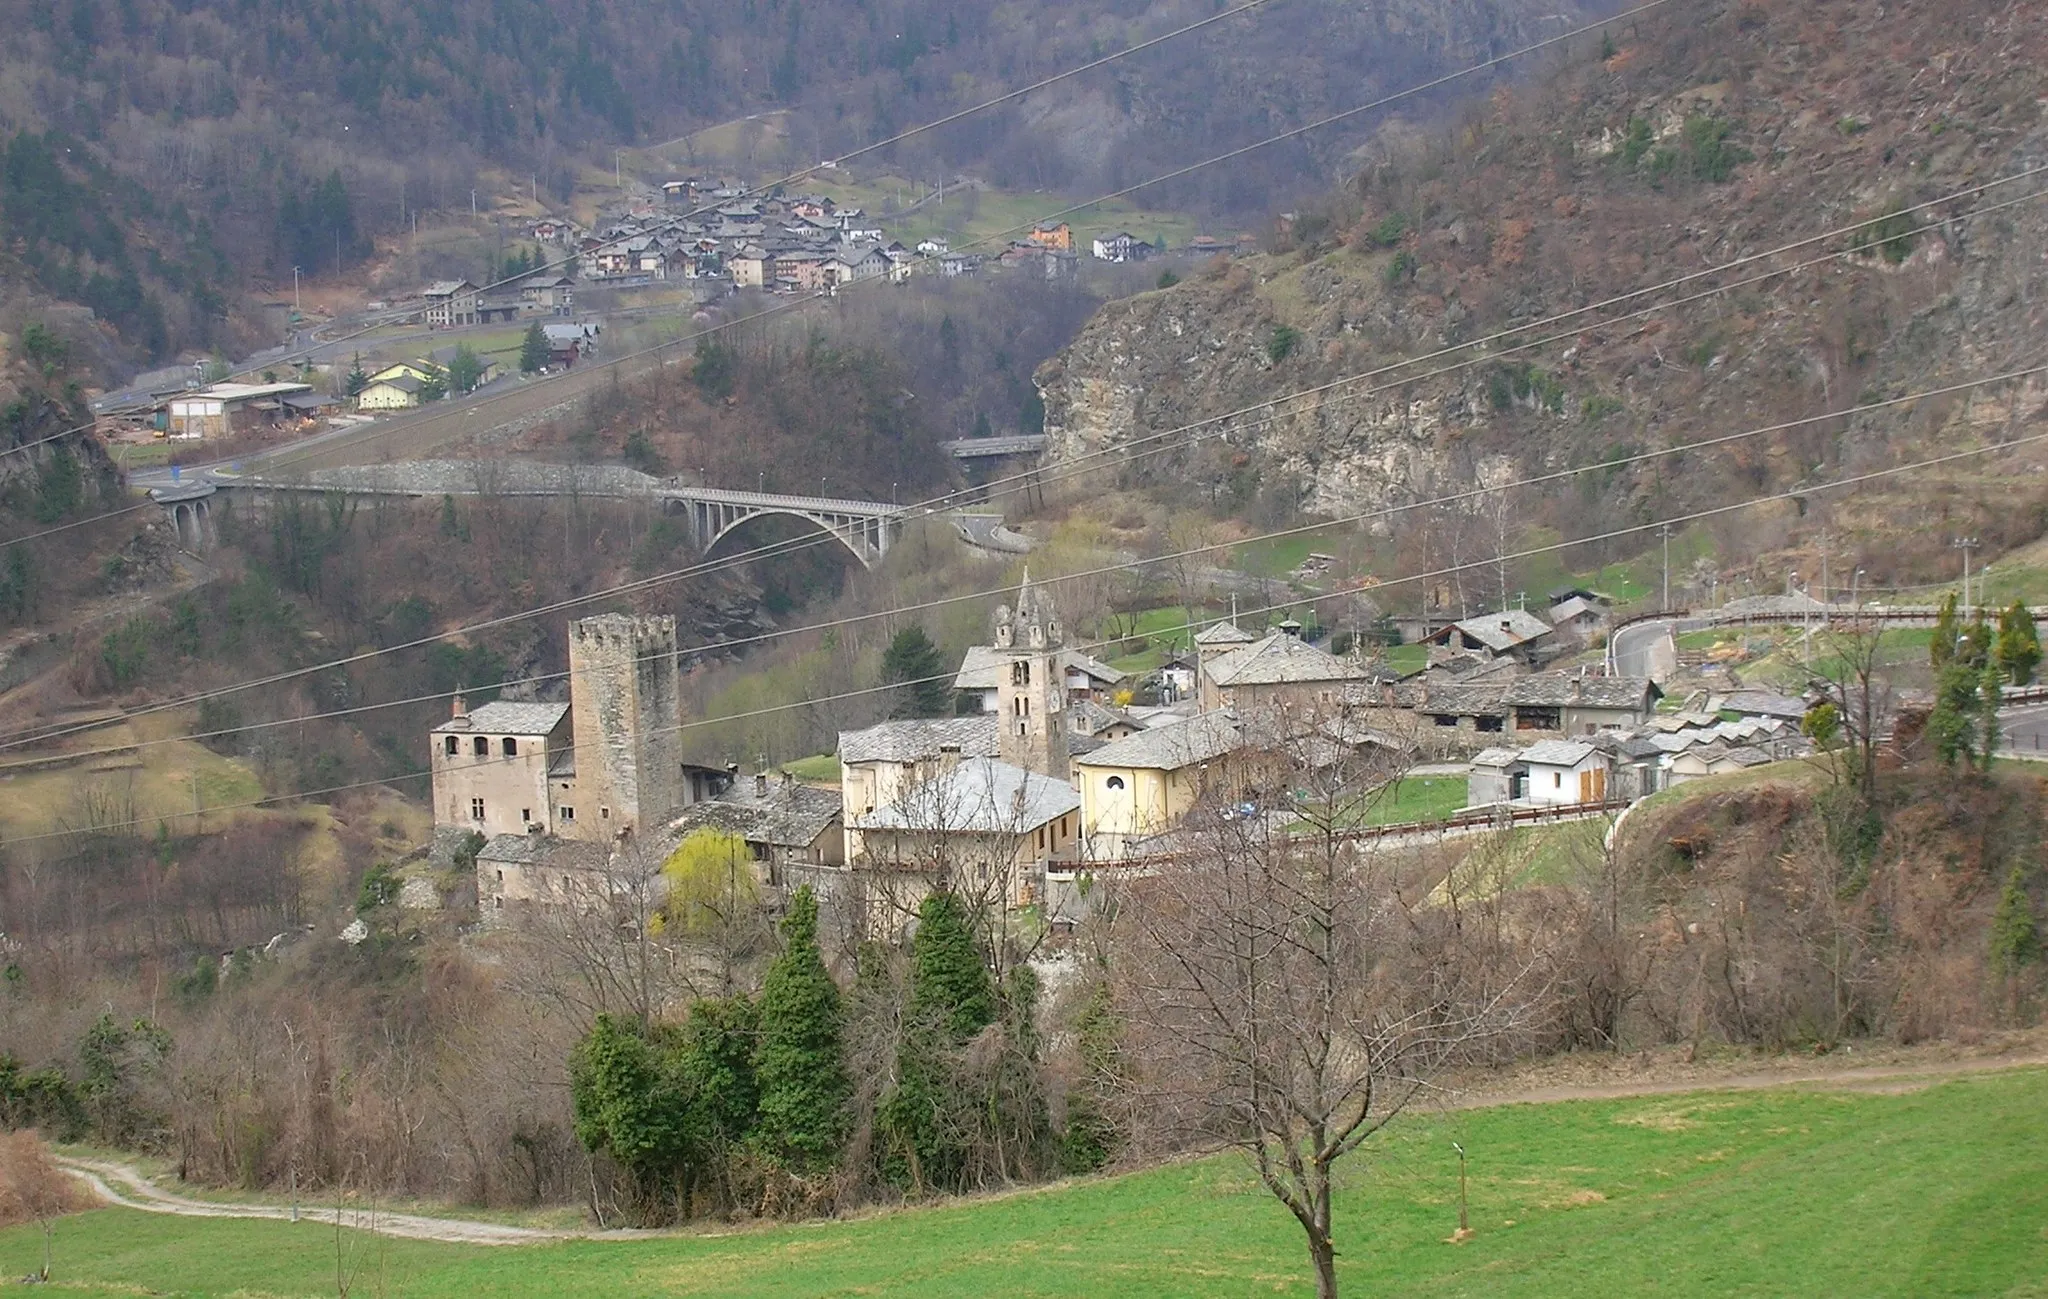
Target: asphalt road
{"type": "Point", "coordinates": [1646, 649]}
{"type": "Point", "coordinates": [2024, 729]}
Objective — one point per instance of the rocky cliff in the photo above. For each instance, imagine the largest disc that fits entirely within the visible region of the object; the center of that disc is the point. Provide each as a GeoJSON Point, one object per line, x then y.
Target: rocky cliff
{"type": "Point", "coordinates": [1684, 142]}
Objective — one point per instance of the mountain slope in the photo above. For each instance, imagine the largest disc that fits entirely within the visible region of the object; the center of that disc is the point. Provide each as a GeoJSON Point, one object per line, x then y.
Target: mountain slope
{"type": "Point", "coordinates": [1695, 136]}
{"type": "Point", "coordinates": [299, 135]}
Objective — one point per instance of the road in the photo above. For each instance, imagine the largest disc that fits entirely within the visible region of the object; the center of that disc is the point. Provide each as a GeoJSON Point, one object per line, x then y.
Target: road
{"type": "Point", "coordinates": [137, 1192]}
{"type": "Point", "coordinates": [1647, 649]}
{"type": "Point", "coordinates": [2023, 730]}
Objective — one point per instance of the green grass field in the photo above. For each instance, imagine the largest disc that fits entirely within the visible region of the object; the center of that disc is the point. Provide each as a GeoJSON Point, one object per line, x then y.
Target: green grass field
{"type": "Point", "coordinates": [819, 768]}
{"type": "Point", "coordinates": [1788, 1191]}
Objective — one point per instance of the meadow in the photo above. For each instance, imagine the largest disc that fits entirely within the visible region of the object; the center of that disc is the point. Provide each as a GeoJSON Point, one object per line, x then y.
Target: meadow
{"type": "Point", "coordinates": [1900, 1189]}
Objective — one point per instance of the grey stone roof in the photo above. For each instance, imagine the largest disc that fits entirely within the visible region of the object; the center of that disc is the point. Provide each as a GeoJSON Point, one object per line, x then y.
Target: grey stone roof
{"type": "Point", "coordinates": [980, 796]}
{"type": "Point", "coordinates": [1087, 718]}
{"type": "Point", "coordinates": [1505, 630]}
{"type": "Point", "coordinates": [1453, 699]}
{"type": "Point", "coordinates": [1224, 633]}
{"type": "Point", "coordinates": [1555, 689]}
{"type": "Point", "coordinates": [505, 718]}
{"type": "Point", "coordinates": [1279, 659]}
{"type": "Point", "coordinates": [1558, 753]}
{"type": "Point", "coordinates": [544, 850]}
{"type": "Point", "coordinates": [916, 739]}
{"type": "Point", "coordinates": [1763, 703]}
{"type": "Point", "coordinates": [790, 815]}
{"type": "Point", "coordinates": [980, 667]}
{"type": "Point", "coordinates": [1496, 757]}
{"type": "Point", "coordinates": [1169, 748]}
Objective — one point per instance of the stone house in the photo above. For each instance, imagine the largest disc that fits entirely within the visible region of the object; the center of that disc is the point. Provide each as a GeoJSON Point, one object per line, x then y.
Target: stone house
{"type": "Point", "coordinates": [1509, 633]}
{"type": "Point", "coordinates": [1277, 669]}
{"type": "Point", "coordinates": [524, 870]}
{"type": "Point", "coordinates": [793, 831]}
{"type": "Point", "coordinates": [1574, 704]}
{"type": "Point", "coordinates": [490, 767]}
{"type": "Point", "coordinates": [877, 763]}
{"type": "Point", "coordinates": [449, 303]}
{"type": "Point", "coordinates": [986, 827]}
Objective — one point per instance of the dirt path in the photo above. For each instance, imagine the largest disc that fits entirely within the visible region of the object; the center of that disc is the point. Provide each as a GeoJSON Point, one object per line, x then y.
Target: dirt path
{"type": "Point", "coordinates": [138, 1192]}
{"type": "Point", "coordinates": [1651, 1076]}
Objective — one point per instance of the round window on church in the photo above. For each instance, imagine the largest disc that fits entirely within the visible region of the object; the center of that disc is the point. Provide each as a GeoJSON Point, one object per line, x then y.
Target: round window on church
{"type": "Point", "coordinates": [1115, 782]}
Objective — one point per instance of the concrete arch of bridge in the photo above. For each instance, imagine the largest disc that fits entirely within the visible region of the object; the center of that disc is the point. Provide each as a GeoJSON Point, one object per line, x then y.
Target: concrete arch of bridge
{"type": "Point", "coordinates": [864, 539]}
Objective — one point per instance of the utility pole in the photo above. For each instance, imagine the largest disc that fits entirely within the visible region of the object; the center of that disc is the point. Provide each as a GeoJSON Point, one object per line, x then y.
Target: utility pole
{"type": "Point", "coordinates": [1966, 545]}
{"type": "Point", "coordinates": [1666, 606]}
{"type": "Point", "coordinates": [1823, 575]}
{"type": "Point", "coordinates": [295, 288]}
{"type": "Point", "coordinates": [472, 205]}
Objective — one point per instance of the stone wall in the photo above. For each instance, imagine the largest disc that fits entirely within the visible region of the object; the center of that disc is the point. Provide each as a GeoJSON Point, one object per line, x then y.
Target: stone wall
{"type": "Point", "coordinates": [625, 695]}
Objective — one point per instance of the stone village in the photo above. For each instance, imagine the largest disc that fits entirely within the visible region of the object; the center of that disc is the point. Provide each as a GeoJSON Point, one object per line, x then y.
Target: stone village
{"type": "Point", "coordinates": [1043, 779]}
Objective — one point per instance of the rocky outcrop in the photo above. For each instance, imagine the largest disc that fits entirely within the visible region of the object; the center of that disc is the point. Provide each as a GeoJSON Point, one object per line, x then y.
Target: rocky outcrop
{"type": "Point", "coordinates": [1707, 136]}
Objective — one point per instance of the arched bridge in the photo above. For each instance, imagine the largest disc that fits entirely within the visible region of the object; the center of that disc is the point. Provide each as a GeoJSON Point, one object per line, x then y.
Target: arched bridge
{"type": "Point", "coordinates": [865, 528]}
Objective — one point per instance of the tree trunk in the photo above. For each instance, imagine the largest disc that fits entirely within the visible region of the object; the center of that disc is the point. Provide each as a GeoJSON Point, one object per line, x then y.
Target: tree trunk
{"type": "Point", "coordinates": [1324, 1254]}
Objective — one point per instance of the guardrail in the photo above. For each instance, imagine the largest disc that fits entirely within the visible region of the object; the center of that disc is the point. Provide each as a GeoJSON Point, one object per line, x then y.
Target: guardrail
{"type": "Point", "coordinates": [1502, 816]}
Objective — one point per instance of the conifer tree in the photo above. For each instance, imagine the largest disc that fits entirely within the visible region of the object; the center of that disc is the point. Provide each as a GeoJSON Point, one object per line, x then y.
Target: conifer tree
{"type": "Point", "coordinates": [2019, 643]}
{"type": "Point", "coordinates": [2015, 938]}
{"type": "Point", "coordinates": [801, 1069]}
{"type": "Point", "coordinates": [533, 349]}
{"type": "Point", "coordinates": [1941, 647]}
{"type": "Point", "coordinates": [949, 981]}
{"type": "Point", "coordinates": [913, 662]}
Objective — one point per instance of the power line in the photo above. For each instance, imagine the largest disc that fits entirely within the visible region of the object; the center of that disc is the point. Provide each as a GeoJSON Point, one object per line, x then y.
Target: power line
{"type": "Point", "coordinates": [1378, 513]}
{"type": "Point", "coordinates": [1526, 553]}
{"type": "Point", "coordinates": [1072, 467]}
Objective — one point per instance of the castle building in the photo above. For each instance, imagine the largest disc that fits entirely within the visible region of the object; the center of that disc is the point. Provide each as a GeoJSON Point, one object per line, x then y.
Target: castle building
{"type": "Point", "coordinates": [598, 767]}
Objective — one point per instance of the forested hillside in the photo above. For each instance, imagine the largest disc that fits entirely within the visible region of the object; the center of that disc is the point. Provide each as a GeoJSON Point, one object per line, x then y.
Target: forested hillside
{"type": "Point", "coordinates": [296, 135]}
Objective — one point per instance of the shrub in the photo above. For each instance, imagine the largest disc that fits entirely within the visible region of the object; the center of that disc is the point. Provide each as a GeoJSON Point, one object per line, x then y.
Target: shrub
{"type": "Point", "coordinates": [1281, 343]}
{"type": "Point", "coordinates": [1401, 268]}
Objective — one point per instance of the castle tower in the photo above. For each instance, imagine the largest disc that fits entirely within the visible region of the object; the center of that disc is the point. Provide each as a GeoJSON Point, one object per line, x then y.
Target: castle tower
{"type": "Point", "coordinates": [625, 698]}
{"type": "Point", "coordinates": [1031, 697]}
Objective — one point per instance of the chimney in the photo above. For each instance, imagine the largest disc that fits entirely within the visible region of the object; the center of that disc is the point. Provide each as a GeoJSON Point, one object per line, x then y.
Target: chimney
{"type": "Point", "coordinates": [760, 784]}
{"type": "Point", "coordinates": [458, 712]}
{"type": "Point", "coordinates": [1291, 628]}
{"type": "Point", "coordinates": [949, 757]}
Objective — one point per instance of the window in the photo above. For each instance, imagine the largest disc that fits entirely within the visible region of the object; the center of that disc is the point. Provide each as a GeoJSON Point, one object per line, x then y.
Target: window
{"type": "Point", "coordinates": [566, 813]}
{"type": "Point", "coordinates": [501, 877]}
{"type": "Point", "coordinates": [481, 746]}
{"type": "Point", "coordinates": [449, 746]}
{"type": "Point", "coordinates": [1557, 780]}
{"type": "Point", "coordinates": [510, 747]}
{"type": "Point", "coordinates": [1444, 719]}
{"type": "Point", "coordinates": [1489, 723]}
{"type": "Point", "coordinates": [1041, 838]}
{"type": "Point", "coordinates": [476, 809]}
{"type": "Point", "coordinates": [604, 814]}
{"type": "Point", "coordinates": [1020, 673]}
{"type": "Point", "coordinates": [525, 816]}
{"type": "Point", "coordinates": [1114, 782]}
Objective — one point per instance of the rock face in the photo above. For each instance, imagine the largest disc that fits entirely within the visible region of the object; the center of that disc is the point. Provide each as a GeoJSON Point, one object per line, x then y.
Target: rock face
{"type": "Point", "coordinates": [1330, 375]}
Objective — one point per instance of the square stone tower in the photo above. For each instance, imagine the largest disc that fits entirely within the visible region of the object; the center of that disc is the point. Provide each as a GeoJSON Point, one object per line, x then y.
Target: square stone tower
{"type": "Point", "coordinates": [1031, 692]}
{"type": "Point", "coordinates": [625, 699]}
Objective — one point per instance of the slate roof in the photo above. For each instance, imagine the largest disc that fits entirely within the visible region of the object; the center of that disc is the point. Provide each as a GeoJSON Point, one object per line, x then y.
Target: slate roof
{"type": "Point", "coordinates": [980, 796]}
{"type": "Point", "coordinates": [1086, 717]}
{"type": "Point", "coordinates": [405, 383]}
{"type": "Point", "coordinates": [1496, 757]}
{"type": "Point", "coordinates": [1555, 689]}
{"type": "Point", "coordinates": [789, 815]}
{"type": "Point", "coordinates": [544, 850]}
{"type": "Point", "coordinates": [1558, 753]}
{"type": "Point", "coordinates": [1505, 630]}
{"type": "Point", "coordinates": [1452, 698]}
{"type": "Point", "coordinates": [1169, 748]}
{"type": "Point", "coordinates": [1224, 633]}
{"type": "Point", "coordinates": [1280, 659]}
{"type": "Point", "coordinates": [1763, 703]}
{"type": "Point", "coordinates": [916, 739]}
{"type": "Point", "coordinates": [505, 718]}
{"type": "Point", "coordinates": [981, 666]}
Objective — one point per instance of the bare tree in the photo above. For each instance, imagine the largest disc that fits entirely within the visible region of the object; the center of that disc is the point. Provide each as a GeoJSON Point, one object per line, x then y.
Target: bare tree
{"type": "Point", "coordinates": [1860, 687]}
{"type": "Point", "coordinates": [1295, 988]}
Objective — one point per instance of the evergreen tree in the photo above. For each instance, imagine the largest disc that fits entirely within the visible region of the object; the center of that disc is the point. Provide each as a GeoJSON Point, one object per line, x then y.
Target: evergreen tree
{"type": "Point", "coordinates": [2019, 643]}
{"type": "Point", "coordinates": [949, 981]}
{"type": "Point", "coordinates": [1090, 1139]}
{"type": "Point", "coordinates": [630, 1105]}
{"type": "Point", "coordinates": [1953, 724]}
{"type": "Point", "coordinates": [2015, 938]}
{"type": "Point", "coordinates": [357, 379]}
{"type": "Point", "coordinates": [1975, 648]}
{"type": "Point", "coordinates": [800, 1067]}
{"type": "Point", "coordinates": [465, 369]}
{"type": "Point", "coordinates": [435, 386]}
{"type": "Point", "coordinates": [1941, 647]}
{"type": "Point", "coordinates": [912, 663]}
{"type": "Point", "coordinates": [533, 349]}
